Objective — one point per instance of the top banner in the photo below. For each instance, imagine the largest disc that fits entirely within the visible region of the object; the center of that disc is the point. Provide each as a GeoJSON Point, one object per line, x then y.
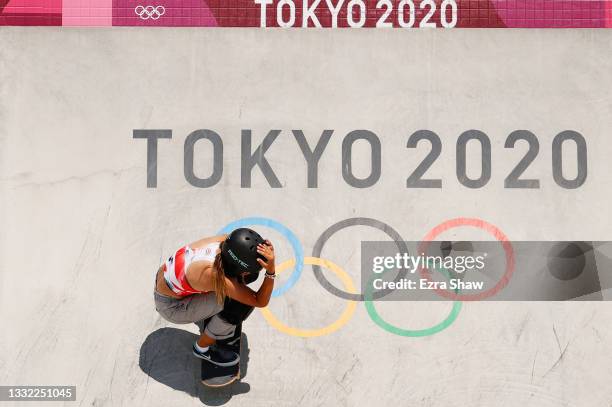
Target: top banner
{"type": "Point", "coordinates": [311, 13]}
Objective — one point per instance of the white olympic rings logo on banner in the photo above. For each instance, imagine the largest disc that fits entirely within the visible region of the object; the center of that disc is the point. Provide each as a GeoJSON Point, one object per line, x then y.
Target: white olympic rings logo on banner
{"type": "Point", "coordinates": [149, 12]}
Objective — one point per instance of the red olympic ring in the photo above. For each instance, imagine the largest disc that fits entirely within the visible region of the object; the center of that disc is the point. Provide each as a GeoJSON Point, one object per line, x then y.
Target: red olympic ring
{"type": "Point", "coordinates": [487, 227]}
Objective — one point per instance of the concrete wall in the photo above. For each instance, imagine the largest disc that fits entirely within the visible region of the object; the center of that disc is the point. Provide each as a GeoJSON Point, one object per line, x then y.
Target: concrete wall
{"type": "Point", "coordinates": [83, 235]}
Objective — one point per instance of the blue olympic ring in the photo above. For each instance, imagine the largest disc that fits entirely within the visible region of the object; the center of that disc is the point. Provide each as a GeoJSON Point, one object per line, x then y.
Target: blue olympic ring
{"type": "Point", "coordinates": [288, 234]}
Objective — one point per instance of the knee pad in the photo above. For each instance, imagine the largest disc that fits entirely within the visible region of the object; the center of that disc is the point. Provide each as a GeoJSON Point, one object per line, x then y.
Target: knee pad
{"type": "Point", "coordinates": [235, 312]}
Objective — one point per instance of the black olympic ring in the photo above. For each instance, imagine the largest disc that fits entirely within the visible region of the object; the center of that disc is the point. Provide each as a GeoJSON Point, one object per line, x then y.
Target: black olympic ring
{"type": "Point", "coordinates": [318, 248]}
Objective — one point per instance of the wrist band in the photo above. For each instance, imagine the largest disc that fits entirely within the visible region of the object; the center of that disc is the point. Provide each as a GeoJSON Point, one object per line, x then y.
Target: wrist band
{"type": "Point", "coordinates": [271, 276]}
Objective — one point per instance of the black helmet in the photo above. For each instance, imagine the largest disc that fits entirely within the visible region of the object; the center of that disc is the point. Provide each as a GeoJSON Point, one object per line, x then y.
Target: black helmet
{"type": "Point", "coordinates": [239, 252]}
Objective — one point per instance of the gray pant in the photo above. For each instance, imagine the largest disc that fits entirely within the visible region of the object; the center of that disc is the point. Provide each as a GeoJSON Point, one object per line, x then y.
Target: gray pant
{"type": "Point", "coordinates": [195, 309]}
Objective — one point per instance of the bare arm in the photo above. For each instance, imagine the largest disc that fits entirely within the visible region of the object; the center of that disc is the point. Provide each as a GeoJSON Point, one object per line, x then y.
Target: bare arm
{"type": "Point", "coordinates": [261, 297]}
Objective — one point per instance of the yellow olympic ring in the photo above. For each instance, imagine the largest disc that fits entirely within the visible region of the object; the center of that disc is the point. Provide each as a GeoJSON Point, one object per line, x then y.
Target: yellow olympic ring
{"type": "Point", "coordinates": [334, 326]}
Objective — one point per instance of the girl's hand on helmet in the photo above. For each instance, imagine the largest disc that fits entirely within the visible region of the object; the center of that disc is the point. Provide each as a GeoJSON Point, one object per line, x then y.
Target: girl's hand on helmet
{"type": "Point", "coordinates": [267, 251]}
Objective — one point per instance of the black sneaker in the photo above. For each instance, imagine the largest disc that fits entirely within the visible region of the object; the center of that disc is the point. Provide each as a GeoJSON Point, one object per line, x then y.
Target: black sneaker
{"type": "Point", "coordinates": [218, 356]}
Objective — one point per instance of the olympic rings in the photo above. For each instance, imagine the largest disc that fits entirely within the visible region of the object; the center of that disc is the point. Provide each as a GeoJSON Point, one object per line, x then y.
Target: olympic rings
{"type": "Point", "coordinates": [334, 326]}
{"type": "Point", "coordinates": [378, 320]}
{"type": "Point", "coordinates": [368, 297]}
{"type": "Point", "coordinates": [288, 234]}
{"type": "Point", "coordinates": [149, 12]}
{"type": "Point", "coordinates": [318, 248]}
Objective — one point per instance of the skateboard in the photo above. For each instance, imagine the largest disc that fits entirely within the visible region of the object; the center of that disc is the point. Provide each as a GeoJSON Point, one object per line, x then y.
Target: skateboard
{"type": "Point", "coordinates": [219, 376]}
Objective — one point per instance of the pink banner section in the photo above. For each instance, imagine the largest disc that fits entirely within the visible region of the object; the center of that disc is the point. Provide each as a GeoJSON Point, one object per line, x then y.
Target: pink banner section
{"type": "Point", "coordinates": [94, 13]}
{"type": "Point", "coordinates": [552, 14]}
{"type": "Point", "coordinates": [311, 13]}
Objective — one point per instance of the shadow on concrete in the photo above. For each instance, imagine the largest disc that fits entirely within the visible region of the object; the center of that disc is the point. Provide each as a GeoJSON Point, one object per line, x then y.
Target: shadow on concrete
{"type": "Point", "coordinates": [166, 357]}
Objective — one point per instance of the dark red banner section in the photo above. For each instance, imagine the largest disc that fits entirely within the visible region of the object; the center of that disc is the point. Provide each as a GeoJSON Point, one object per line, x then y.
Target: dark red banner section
{"type": "Point", "coordinates": [474, 13]}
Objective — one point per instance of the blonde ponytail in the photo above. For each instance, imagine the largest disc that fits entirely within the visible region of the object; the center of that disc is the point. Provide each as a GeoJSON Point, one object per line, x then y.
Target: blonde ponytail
{"type": "Point", "coordinates": [219, 279]}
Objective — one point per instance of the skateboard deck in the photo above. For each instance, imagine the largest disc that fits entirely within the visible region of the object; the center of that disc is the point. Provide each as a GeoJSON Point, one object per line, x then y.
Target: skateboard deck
{"type": "Point", "coordinates": [219, 376]}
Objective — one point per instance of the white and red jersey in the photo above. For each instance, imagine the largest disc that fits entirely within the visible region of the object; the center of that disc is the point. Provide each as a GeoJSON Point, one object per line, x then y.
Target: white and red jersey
{"type": "Point", "coordinates": [175, 268]}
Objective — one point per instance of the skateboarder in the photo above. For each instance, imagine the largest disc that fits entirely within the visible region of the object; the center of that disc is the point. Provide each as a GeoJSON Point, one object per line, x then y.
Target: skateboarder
{"type": "Point", "coordinates": [194, 283]}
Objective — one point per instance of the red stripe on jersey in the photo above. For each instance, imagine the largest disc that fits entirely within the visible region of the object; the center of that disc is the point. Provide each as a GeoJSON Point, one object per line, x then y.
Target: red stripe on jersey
{"type": "Point", "coordinates": [179, 265]}
{"type": "Point", "coordinates": [179, 272]}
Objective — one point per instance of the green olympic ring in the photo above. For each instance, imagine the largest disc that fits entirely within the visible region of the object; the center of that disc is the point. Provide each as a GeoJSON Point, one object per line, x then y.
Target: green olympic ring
{"type": "Point", "coordinates": [378, 320]}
